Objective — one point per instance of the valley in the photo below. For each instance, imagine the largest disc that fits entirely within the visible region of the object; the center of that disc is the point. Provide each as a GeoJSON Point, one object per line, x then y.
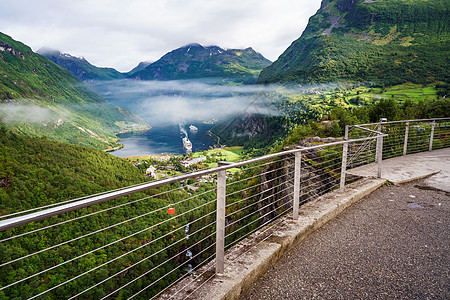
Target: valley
{"type": "Point", "coordinates": [71, 130]}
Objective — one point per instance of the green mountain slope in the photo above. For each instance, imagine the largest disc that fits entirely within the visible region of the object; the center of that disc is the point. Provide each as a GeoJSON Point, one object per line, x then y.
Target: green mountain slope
{"type": "Point", "coordinates": [80, 67]}
{"type": "Point", "coordinates": [38, 97]}
{"type": "Point", "coordinates": [377, 41]}
{"type": "Point", "coordinates": [195, 61]}
{"type": "Point", "coordinates": [36, 171]}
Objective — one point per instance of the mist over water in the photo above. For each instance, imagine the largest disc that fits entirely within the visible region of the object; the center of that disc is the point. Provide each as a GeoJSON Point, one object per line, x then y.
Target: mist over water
{"type": "Point", "coordinates": [170, 107]}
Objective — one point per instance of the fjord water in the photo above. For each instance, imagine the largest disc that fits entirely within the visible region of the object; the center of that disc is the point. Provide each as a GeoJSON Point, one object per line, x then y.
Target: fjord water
{"type": "Point", "coordinates": [170, 107]}
{"type": "Point", "coordinates": [163, 140]}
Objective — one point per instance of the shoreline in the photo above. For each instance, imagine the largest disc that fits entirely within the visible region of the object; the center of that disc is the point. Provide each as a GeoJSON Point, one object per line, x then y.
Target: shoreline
{"type": "Point", "coordinates": [134, 130]}
{"type": "Point", "coordinates": [114, 149]}
{"type": "Point", "coordinates": [122, 132]}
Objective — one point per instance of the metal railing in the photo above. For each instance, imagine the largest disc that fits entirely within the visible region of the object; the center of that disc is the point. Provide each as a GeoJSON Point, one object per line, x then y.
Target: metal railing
{"type": "Point", "coordinates": [408, 136]}
{"type": "Point", "coordinates": [137, 241]}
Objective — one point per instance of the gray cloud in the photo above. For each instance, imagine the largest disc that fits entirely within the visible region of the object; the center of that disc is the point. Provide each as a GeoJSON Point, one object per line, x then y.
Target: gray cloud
{"type": "Point", "coordinates": [122, 33]}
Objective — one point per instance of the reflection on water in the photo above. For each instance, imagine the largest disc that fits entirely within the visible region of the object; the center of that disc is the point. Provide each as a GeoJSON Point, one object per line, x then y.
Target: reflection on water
{"type": "Point", "coordinates": [165, 139]}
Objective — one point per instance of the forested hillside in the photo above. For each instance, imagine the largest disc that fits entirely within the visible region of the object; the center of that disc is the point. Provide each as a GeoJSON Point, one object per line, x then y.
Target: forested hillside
{"type": "Point", "coordinates": [379, 42]}
{"type": "Point", "coordinates": [38, 97]}
{"type": "Point", "coordinates": [80, 67]}
{"type": "Point", "coordinates": [36, 171]}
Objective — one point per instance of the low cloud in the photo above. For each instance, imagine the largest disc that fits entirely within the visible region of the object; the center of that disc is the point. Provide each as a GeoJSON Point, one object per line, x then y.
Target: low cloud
{"type": "Point", "coordinates": [171, 102]}
{"type": "Point", "coordinates": [12, 112]}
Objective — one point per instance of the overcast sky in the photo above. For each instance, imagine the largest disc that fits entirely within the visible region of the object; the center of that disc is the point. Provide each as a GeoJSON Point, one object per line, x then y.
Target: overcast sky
{"type": "Point", "coordinates": [121, 33]}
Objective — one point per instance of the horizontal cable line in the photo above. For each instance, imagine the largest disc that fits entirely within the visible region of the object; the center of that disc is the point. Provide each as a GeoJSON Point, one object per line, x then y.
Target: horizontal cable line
{"type": "Point", "coordinates": [158, 278]}
{"type": "Point", "coordinates": [244, 199]}
{"type": "Point", "coordinates": [312, 195]}
{"type": "Point", "coordinates": [316, 175]}
{"type": "Point", "coordinates": [274, 223]}
{"type": "Point", "coordinates": [184, 276]}
{"type": "Point", "coordinates": [67, 201]}
{"type": "Point", "coordinates": [243, 236]}
{"type": "Point", "coordinates": [196, 289]}
{"type": "Point", "coordinates": [255, 176]}
{"type": "Point", "coordinates": [250, 214]}
{"type": "Point", "coordinates": [325, 168]}
{"type": "Point", "coordinates": [314, 186]}
{"type": "Point", "coordinates": [305, 182]}
{"type": "Point", "coordinates": [256, 202]}
{"type": "Point", "coordinates": [252, 178]}
{"type": "Point", "coordinates": [163, 263]}
{"type": "Point", "coordinates": [153, 254]}
{"type": "Point", "coordinates": [256, 211]}
{"type": "Point", "coordinates": [262, 183]}
{"type": "Point", "coordinates": [102, 247]}
{"type": "Point", "coordinates": [81, 217]}
{"type": "Point", "coordinates": [251, 196]}
{"type": "Point", "coordinates": [361, 148]}
{"type": "Point", "coordinates": [324, 161]}
{"type": "Point", "coordinates": [187, 274]}
{"type": "Point", "coordinates": [110, 261]}
{"type": "Point", "coordinates": [114, 225]}
{"type": "Point", "coordinates": [318, 182]}
{"type": "Point", "coordinates": [262, 225]}
{"type": "Point", "coordinates": [278, 159]}
{"type": "Point", "coordinates": [105, 228]}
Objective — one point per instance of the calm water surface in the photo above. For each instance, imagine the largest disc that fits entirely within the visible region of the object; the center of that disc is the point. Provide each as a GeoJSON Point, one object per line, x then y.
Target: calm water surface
{"type": "Point", "coordinates": [163, 140]}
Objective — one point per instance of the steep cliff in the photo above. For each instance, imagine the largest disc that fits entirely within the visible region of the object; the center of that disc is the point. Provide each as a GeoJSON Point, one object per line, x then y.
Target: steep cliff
{"type": "Point", "coordinates": [378, 41]}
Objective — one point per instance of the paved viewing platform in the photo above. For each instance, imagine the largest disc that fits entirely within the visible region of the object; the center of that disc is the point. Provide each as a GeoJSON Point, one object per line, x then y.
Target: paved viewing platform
{"type": "Point", "coordinates": [391, 243]}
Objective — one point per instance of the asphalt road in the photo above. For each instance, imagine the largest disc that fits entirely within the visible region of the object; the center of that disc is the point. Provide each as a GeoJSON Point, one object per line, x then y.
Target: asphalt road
{"type": "Point", "coordinates": [393, 244]}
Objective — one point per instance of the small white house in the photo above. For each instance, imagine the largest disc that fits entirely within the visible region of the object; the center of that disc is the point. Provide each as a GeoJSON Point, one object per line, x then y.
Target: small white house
{"type": "Point", "coordinates": [151, 172]}
{"type": "Point", "coordinates": [192, 161]}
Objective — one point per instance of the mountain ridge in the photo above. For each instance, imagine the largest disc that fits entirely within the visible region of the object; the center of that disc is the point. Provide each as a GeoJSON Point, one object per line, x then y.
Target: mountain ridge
{"type": "Point", "coordinates": [380, 42]}
{"type": "Point", "coordinates": [196, 61]}
{"type": "Point", "coordinates": [80, 67]}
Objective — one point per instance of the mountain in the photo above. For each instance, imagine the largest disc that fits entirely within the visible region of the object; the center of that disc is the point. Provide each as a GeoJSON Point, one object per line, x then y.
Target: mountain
{"type": "Point", "coordinates": [37, 170]}
{"type": "Point", "coordinates": [141, 66]}
{"type": "Point", "coordinates": [38, 97]}
{"type": "Point", "coordinates": [80, 67]}
{"type": "Point", "coordinates": [195, 61]}
{"type": "Point", "coordinates": [383, 42]}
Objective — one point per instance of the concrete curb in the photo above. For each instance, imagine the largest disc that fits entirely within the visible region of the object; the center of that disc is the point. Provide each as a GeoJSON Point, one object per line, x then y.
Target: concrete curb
{"type": "Point", "coordinates": [398, 182]}
{"type": "Point", "coordinates": [243, 267]}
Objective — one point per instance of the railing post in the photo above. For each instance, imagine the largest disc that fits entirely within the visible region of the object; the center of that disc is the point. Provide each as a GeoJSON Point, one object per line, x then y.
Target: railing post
{"type": "Point", "coordinates": [297, 176]}
{"type": "Point", "coordinates": [405, 144]}
{"type": "Point", "coordinates": [220, 221]}
{"type": "Point", "coordinates": [379, 130]}
{"type": "Point", "coordinates": [379, 154]}
{"type": "Point", "coordinates": [432, 135]}
{"type": "Point", "coordinates": [344, 160]}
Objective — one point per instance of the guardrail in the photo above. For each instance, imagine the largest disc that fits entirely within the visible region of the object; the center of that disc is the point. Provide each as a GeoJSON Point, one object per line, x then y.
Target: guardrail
{"type": "Point", "coordinates": [139, 240]}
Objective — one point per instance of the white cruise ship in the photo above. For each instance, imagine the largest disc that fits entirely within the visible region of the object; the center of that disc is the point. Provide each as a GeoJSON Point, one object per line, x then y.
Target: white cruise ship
{"type": "Point", "coordinates": [187, 145]}
{"type": "Point", "coordinates": [193, 128]}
